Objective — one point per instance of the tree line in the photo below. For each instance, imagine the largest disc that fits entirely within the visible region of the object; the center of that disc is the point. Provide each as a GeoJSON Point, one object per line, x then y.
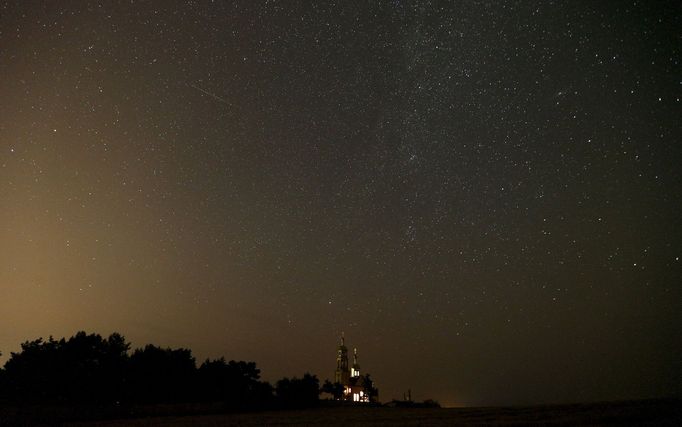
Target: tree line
{"type": "Point", "coordinates": [90, 369]}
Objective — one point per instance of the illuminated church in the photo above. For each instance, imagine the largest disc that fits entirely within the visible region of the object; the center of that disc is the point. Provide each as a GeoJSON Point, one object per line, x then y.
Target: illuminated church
{"type": "Point", "coordinates": [356, 387]}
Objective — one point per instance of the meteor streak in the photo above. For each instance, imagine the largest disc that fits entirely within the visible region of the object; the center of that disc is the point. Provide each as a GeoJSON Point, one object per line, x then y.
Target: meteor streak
{"type": "Point", "coordinates": [212, 95]}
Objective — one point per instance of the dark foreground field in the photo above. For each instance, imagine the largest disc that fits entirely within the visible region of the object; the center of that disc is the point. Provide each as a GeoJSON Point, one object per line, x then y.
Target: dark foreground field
{"type": "Point", "coordinates": [652, 412]}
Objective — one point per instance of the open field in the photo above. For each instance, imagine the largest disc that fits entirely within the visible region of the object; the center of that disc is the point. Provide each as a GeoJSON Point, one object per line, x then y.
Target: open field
{"type": "Point", "coordinates": [650, 412]}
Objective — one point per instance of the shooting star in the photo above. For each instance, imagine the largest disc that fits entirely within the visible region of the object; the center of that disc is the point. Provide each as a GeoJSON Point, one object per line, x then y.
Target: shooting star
{"type": "Point", "coordinates": [212, 95]}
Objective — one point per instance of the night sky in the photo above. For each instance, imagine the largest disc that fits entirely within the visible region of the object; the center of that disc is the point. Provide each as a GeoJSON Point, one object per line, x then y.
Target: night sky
{"type": "Point", "coordinates": [484, 196]}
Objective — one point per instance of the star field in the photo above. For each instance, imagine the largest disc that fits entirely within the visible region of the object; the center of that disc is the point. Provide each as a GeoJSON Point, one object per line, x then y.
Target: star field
{"type": "Point", "coordinates": [484, 196]}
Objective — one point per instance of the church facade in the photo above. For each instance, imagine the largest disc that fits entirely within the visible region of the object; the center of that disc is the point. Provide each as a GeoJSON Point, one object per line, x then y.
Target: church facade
{"type": "Point", "coordinates": [356, 387]}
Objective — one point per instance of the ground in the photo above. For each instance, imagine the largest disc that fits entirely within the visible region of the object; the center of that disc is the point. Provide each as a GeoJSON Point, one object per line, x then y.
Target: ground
{"type": "Point", "coordinates": [650, 412]}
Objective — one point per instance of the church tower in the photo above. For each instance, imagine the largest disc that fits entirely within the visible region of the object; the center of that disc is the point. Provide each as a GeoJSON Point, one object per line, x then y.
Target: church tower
{"type": "Point", "coordinates": [355, 370]}
{"type": "Point", "coordinates": [342, 376]}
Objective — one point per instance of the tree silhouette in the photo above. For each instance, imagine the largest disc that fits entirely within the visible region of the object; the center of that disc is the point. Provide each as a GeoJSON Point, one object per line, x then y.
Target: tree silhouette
{"type": "Point", "coordinates": [161, 375]}
{"type": "Point", "coordinates": [100, 372]}
{"type": "Point", "coordinates": [298, 393]}
{"type": "Point", "coordinates": [86, 368]}
{"type": "Point", "coordinates": [334, 389]}
{"type": "Point", "coordinates": [235, 383]}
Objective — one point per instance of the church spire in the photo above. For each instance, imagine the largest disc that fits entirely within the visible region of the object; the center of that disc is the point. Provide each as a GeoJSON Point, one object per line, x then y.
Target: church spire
{"type": "Point", "coordinates": [342, 374]}
{"type": "Point", "coordinates": [355, 370]}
